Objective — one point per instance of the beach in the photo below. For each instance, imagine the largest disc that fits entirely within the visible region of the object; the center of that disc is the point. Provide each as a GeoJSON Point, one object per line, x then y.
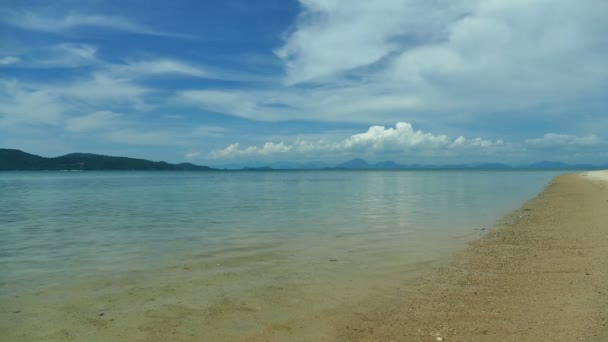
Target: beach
{"type": "Point", "coordinates": [541, 274]}
{"type": "Point", "coordinates": [538, 274]}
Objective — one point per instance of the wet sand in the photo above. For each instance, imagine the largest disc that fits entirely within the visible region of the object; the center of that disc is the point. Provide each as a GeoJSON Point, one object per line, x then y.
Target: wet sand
{"type": "Point", "coordinates": [541, 274]}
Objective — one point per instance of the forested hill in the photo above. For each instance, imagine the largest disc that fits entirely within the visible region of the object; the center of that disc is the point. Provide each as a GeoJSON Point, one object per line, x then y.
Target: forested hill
{"type": "Point", "coordinates": [16, 160]}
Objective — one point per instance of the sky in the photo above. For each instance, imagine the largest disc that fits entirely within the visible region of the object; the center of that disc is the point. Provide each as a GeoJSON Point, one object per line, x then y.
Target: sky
{"type": "Point", "coordinates": [237, 82]}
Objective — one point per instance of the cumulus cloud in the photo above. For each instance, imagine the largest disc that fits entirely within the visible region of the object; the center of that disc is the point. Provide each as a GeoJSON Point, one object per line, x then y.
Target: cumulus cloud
{"type": "Point", "coordinates": [335, 36]}
{"type": "Point", "coordinates": [377, 139]}
{"type": "Point", "coordinates": [358, 62]}
{"type": "Point", "coordinates": [402, 136]}
{"type": "Point", "coordinates": [561, 140]}
{"type": "Point", "coordinates": [476, 142]}
{"type": "Point", "coordinates": [267, 149]}
{"type": "Point", "coordinates": [354, 61]}
{"type": "Point", "coordinates": [377, 61]}
{"type": "Point", "coordinates": [434, 62]}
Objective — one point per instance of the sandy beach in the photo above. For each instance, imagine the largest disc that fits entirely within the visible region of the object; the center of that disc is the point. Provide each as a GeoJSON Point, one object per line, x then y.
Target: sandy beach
{"type": "Point", "coordinates": [541, 274]}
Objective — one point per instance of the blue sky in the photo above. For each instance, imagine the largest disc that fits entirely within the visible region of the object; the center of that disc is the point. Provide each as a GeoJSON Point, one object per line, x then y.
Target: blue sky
{"type": "Point", "coordinates": [230, 82]}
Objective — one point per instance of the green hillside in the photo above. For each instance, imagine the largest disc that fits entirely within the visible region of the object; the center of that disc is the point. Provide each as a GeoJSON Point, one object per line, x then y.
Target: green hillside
{"type": "Point", "coordinates": [16, 160]}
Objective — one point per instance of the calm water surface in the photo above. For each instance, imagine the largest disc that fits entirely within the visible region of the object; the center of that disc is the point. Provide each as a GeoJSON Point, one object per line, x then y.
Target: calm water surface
{"type": "Point", "coordinates": [237, 235]}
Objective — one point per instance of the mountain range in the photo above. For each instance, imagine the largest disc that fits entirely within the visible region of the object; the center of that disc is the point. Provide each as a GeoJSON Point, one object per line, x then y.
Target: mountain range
{"type": "Point", "coordinates": [16, 160]}
{"type": "Point", "coordinates": [389, 164]}
{"type": "Point", "coordinates": [360, 164]}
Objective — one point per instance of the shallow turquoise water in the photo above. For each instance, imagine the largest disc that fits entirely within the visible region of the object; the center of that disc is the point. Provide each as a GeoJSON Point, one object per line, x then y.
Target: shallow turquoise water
{"type": "Point", "coordinates": [230, 256]}
{"type": "Point", "coordinates": [61, 226]}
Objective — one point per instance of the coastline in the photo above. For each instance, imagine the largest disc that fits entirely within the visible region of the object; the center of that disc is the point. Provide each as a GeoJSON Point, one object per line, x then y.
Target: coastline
{"type": "Point", "coordinates": [199, 296]}
{"type": "Point", "coordinates": [539, 274]}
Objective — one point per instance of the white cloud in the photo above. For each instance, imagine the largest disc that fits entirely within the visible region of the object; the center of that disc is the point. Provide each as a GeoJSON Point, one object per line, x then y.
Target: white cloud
{"type": "Point", "coordinates": [168, 66]}
{"type": "Point", "coordinates": [71, 55]}
{"type": "Point", "coordinates": [561, 140]}
{"type": "Point", "coordinates": [99, 88]}
{"type": "Point", "coordinates": [50, 22]}
{"type": "Point", "coordinates": [267, 149]}
{"type": "Point", "coordinates": [62, 55]}
{"type": "Point", "coordinates": [192, 155]}
{"type": "Point", "coordinates": [360, 62]}
{"type": "Point", "coordinates": [157, 67]}
{"type": "Point", "coordinates": [53, 103]}
{"type": "Point", "coordinates": [91, 122]}
{"type": "Point", "coordinates": [238, 103]}
{"type": "Point", "coordinates": [440, 38]}
{"type": "Point", "coordinates": [335, 36]}
{"type": "Point", "coordinates": [65, 55]}
{"type": "Point", "coordinates": [28, 105]}
{"type": "Point", "coordinates": [209, 131]}
{"type": "Point", "coordinates": [403, 138]}
{"type": "Point", "coordinates": [139, 137]}
{"type": "Point", "coordinates": [476, 142]}
{"type": "Point", "coordinates": [9, 60]}
{"type": "Point", "coordinates": [348, 104]}
{"type": "Point", "coordinates": [102, 88]}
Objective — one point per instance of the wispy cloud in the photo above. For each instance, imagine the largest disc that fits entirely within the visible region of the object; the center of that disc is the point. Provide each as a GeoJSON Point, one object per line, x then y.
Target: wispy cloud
{"type": "Point", "coordinates": [237, 103]}
{"type": "Point", "coordinates": [26, 105]}
{"type": "Point", "coordinates": [454, 68]}
{"type": "Point", "coordinates": [158, 67]}
{"type": "Point", "coordinates": [102, 88]}
{"type": "Point", "coordinates": [92, 122]}
{"type": "Point", "coordinates": [50, 22]}
{"type": "Point", "coordinates": [350, 104]}
{"type": "Point", "coordinates": [64, 55]}
{"type": "Point", "coordinates": [143, 137]}
{"type": "Point", "coordinates": [7, 60]}
{"type": "Point", "coordinates": [553, 140]}
{"type": "Point", "coordinates": [49, 103]}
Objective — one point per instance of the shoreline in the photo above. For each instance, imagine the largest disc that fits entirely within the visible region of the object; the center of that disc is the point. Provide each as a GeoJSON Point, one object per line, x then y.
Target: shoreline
{"type": "Point", "coordinates": [198, 301]}
{"type": "Point", "coordinates": [539, 274]}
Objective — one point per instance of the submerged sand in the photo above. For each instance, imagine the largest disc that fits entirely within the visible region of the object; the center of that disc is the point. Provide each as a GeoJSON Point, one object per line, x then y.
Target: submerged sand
{"type": "Point", "coordinates": [540, 275]}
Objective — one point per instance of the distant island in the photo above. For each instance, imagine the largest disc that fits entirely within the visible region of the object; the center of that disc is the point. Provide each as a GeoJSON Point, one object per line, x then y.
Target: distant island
{"type": "Point", "coordinates": [16, 160]}
{"type": "Point", "coordinates": [360, 164]}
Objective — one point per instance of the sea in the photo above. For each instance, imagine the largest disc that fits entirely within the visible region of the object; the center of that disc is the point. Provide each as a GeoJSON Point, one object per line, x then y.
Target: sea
{"type": "Point", "coordinates": [230, 255]}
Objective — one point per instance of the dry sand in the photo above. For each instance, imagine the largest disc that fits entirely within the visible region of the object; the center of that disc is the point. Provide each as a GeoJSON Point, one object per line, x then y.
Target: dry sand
{"type": "Point", "coordinates": [540, 275]}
